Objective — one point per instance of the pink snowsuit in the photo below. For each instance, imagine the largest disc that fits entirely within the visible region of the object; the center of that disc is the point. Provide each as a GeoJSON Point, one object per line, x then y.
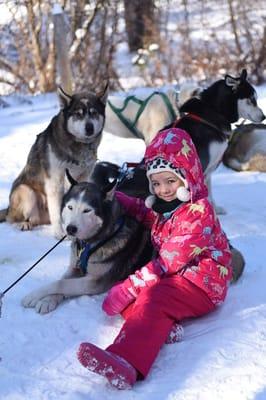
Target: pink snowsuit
{"type": "Point", "coordinates": [192, 270]}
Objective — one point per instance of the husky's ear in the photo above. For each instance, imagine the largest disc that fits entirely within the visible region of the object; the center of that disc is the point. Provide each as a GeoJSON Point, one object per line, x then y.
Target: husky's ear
{"type": "Point", "coordinates": [109, 190]}
{"type": "Point", "coordinates": [64, 98]}
{"type": "Point", "coordinates": [232, 82]}
{"type": "Point", "coordinates": [70, 178]}
{"type": "Point", "coordinates": [103, 94]}
{"type": "Point", "coordinates": [243, 76]}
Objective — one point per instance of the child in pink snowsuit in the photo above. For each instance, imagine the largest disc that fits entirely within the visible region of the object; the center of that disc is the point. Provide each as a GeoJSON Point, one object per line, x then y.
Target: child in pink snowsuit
{"type": "Point", "coordinates": [189, 276]}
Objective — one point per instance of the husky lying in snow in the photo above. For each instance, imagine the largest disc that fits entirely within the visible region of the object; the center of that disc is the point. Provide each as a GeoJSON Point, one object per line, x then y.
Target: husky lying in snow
{"type": "Point", "coordinates": [247, 148]}
{"type": "Point", "coordinates": [70, 141]}
{"type": "Point", "coordinates": [107, 245]}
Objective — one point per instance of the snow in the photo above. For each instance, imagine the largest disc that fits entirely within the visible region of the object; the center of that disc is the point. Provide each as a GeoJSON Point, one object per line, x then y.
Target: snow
{"type": "Point", "coordinates": [222, 355]}
{"type": "Point", "coordinates": [57, 9]}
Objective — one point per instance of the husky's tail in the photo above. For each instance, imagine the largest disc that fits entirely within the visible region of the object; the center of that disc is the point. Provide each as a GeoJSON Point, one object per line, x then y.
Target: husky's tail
{"type": "Point", "coordinates": [256, 163]}
{"type": "Point", "coordinates": [238, 263]}
{"type": "Point", "coordinates": [188, 90]}
{"type": "Point", "coordinates": [3, 214]}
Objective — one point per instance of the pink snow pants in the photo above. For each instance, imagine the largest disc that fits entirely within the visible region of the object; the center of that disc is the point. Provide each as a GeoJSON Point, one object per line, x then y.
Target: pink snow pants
{"type": "Point", "coordinates": [150, 318]}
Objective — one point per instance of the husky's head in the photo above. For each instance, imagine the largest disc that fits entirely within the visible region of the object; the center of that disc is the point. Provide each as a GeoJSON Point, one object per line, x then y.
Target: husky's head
{"type": "Point", "coordinates": [232, 98]}
{"type": "Point", "coordinates": [84, 113]}
{"type": "Point", "coordinates": [85, 208]}
{"type": "Point", "coordinates": [246, 97]}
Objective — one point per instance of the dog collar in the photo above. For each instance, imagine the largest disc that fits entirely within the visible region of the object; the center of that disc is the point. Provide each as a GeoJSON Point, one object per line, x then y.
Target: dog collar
{"type": "Point", "coordinates": [85, 249]}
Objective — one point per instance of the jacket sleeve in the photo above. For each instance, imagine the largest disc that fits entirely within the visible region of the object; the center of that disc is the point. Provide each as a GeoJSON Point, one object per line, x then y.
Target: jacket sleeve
{"type": "Point", "coordinates": [136, 208]}
{"type": "Point", "coordinates": [174, 254]}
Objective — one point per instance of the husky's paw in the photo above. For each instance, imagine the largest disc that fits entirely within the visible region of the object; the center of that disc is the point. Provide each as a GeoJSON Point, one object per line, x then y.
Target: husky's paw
{"type": "Point", "coordinates": [31, 300]}
{"type": "Point", "coordinates": [42, 305]}
{"type": "Point", "coordinates": [25, 226]}
{"type": "Point", "coordinates": [48, 303]}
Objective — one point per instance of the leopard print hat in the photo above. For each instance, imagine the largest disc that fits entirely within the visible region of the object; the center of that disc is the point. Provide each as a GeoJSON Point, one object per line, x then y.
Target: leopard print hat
{"type": "Point", "coordinates": [161, 165]}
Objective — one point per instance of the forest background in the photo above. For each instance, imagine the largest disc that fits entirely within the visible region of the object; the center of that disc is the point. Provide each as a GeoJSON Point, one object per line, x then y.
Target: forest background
{"type": "Point", "coordinates": [152, 42]}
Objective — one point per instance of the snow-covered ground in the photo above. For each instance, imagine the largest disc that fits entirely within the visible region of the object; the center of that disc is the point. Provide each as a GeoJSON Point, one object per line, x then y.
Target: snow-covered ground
{"type": "Point", "coordinates": [222, 356]}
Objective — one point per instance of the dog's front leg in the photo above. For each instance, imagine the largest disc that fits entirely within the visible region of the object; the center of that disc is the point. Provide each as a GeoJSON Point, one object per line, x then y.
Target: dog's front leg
{"type": "Point", "coordinates": [44, 305]}
{"type": "Point", "coordinates": [48, 297]}
{"type": "Point", "coordinates": [55, 190]}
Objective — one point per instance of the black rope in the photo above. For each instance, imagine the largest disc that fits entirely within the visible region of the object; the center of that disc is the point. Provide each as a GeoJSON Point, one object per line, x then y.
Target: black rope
{"type": "Point", "coordinates": [28, 270]}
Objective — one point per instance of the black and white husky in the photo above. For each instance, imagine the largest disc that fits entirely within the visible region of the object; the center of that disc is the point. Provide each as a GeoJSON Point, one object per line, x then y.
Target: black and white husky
{"type": "Point", "coordinates": [70, 141]}
{"type": "Point", "coordinates": [106, 244]}
{"type": "Point", "coordinates": [208, 116]}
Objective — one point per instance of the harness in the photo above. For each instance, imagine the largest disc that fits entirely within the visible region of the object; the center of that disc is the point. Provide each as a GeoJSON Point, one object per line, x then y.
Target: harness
{"type": "Point", "coordinates": [197, 118]}
{"type": "Point", "coordinates": [131, 125]}
{"type": "Point", "coordinates": [85, 249]}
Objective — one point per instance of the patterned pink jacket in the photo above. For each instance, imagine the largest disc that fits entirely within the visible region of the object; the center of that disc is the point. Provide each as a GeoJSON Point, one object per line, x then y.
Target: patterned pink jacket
{"type": "Point", "coordinates": [189, 241]}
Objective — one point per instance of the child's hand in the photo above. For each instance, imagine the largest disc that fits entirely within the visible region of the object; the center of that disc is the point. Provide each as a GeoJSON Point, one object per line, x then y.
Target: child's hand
{"type": "Point", "coordinates": [117, 299]}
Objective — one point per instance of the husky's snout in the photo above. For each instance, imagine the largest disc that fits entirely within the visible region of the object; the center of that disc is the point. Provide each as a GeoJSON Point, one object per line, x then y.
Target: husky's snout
{"type": "Point", "coordinates": [71, 229]}
{"type": "Point", "coordinates": [89, 128]}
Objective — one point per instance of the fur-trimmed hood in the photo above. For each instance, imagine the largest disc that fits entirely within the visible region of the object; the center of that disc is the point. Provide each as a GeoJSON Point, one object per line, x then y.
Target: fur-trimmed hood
{"type": "Point", "coordinates": [176, 146]}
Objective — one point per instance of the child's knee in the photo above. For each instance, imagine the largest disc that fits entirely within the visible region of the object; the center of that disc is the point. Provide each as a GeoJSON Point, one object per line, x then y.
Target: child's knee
{"type": "Point", "coordinates": [153, 294]}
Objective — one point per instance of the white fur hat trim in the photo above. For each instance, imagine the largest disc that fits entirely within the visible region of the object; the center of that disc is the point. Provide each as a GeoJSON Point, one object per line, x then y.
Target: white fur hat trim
{"type": "Point", "coordinates": [150, 200]}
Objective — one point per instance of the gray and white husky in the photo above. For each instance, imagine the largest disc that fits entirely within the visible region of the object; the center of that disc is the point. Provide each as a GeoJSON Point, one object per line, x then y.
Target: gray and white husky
{"type": "Point", "coordinates": [106, 246]}
{"type": "Point", "coordinates": [70, 141]}
{"type": "Point", "coordinates": [247, 148]}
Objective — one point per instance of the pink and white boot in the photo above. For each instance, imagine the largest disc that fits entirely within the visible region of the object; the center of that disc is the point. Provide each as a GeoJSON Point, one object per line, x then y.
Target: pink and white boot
{"type": "Point", "coordinates": [176, 334]}
{"type": "Point", "coordinates": [116, 369]}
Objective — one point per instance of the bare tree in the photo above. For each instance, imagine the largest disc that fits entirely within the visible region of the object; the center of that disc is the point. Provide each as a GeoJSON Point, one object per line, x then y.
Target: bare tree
{"type": "Point", "coordinates": [33, 62]}
{"type": "Point", "coordinates": [61, 49]}
{"type": "Point", "coordinates": [94, 38]}
{"type": "Point", "coordinates": [141, 23]}
{"type": "Point", "coordinates": [173, 40]}
{"type": "Point", "coordinates": [31, 65]}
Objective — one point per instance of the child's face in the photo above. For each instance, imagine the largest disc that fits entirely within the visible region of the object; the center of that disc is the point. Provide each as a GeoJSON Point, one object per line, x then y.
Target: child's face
{"type": "Point", "coordinates": [165, 185]}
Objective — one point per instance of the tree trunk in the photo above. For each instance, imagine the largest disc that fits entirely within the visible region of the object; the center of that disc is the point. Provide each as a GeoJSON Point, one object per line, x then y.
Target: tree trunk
{"type": "Point", "coordinates": [62, 50]}
{"type": "Point", "coordinates": [141, 24]}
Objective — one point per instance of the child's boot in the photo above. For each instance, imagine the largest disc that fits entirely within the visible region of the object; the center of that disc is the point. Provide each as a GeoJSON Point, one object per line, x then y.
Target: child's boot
{"type": "Point", "coordinates": [116, 369]}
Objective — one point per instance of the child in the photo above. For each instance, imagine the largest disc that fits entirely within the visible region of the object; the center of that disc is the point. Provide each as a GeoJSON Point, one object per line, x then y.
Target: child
{"type": "Point", "coordinates": [188, 278]}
